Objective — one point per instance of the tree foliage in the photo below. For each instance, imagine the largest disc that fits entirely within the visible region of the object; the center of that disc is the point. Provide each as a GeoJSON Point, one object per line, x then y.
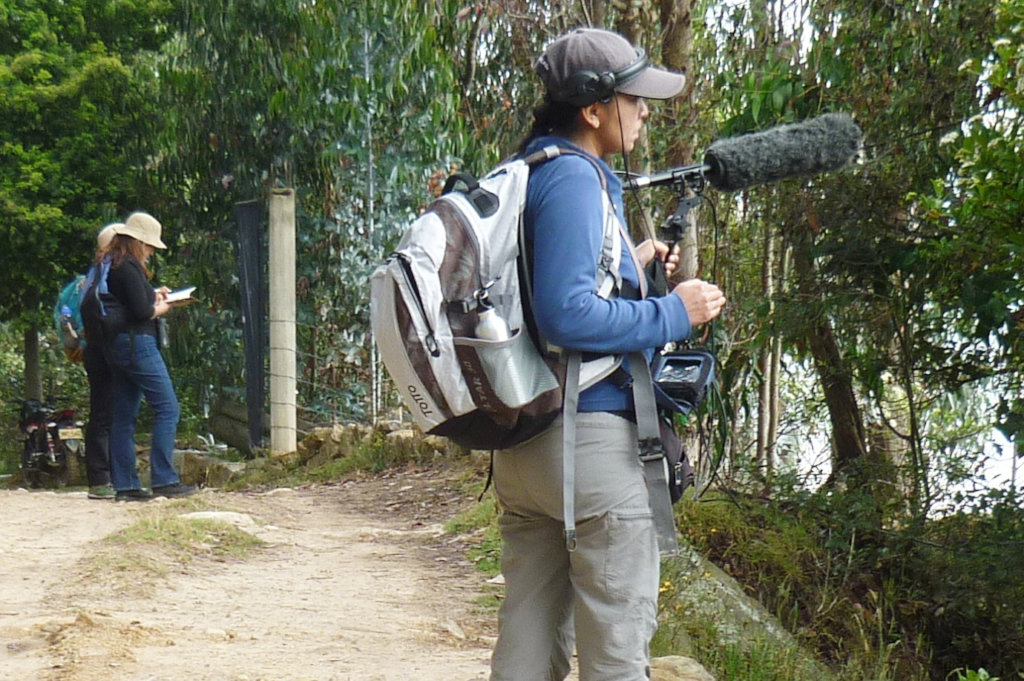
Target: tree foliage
{"type": "Point", "coordinates": [352, 105]}
{"type": "Point", "coordinates": [977, 218]}
{"type": "Point", "coordinates": [69, 111]}
{"type": "Point", "coordinates": [901, 287]}
{"type": "Point", "coordinates": [858, 298]}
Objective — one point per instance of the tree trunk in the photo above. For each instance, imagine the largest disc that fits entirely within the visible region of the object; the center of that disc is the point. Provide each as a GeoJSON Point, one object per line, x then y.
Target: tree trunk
{"type": "Point", "coordinates": [907, 421]}
{"type": "Point", "coordinates": [836, 380]}
{"type": "Point", "coordinates": [33, 371]}
{"type": "Point", "coordinates": [766, 361]}
{"type": "Point", "coordinates": [677, 55]}
{"type": "Point", "coordinates": [775, 369]}
{"type": "Point", "coordinates": [847, 428]}
{"type": "Point", "coordinates": [676, 18]}
{"type": "Point", "coordinates": [595, 12]}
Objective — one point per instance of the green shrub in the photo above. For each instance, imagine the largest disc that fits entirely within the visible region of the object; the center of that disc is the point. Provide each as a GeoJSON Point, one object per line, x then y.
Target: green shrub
{"type": "Point", "coordinates": [877, 595]}
{"type": "Point", "coordinates": [971, 675]}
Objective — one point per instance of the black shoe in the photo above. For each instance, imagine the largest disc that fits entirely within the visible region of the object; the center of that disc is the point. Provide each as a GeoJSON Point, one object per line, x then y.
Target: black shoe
{"type": "Point", "coordinates": [174, 490]}
{"type": "Point", "coordinates": [133, 495]}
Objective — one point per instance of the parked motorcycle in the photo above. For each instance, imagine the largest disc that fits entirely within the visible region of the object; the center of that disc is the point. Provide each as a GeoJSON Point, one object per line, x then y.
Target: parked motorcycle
{"type": "Point", "coordinates": [53, 442]}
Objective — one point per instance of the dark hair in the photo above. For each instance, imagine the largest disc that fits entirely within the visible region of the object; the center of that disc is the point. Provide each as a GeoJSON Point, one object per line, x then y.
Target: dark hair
{"type": "Point", "coordinates": [551, 117]}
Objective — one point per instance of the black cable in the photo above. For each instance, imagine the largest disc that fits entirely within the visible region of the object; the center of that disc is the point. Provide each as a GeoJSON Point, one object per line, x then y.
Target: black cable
{"type": "Point", "coordinates": [703, 437]}
{"type": "Point", "coordinates": [631, 187]}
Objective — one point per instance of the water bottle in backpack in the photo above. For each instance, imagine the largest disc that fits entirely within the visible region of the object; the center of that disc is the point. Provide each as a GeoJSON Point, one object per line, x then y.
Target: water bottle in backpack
{"type": "Point", "coordinates": [67, 323]}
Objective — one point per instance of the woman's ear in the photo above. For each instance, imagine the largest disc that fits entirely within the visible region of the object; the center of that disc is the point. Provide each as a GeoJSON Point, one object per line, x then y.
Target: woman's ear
{"type": "Point", "coordinates": [590, 115]}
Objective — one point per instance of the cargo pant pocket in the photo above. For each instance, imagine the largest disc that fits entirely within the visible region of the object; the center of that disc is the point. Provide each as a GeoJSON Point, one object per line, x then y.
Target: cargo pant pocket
{"type": "Point", "coordinates": [631, 561]}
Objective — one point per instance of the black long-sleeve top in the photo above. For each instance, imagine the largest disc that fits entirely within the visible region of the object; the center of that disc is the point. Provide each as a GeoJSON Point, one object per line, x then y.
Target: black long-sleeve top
{"type": "Point", "coordinates": [129, 285]}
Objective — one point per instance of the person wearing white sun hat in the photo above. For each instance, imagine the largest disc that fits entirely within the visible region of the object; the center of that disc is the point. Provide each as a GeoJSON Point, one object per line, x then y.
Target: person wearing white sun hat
{"type": "Point", "coordinates": [133, 350]}
{"type": "Point", "coordinates": [595, 587]}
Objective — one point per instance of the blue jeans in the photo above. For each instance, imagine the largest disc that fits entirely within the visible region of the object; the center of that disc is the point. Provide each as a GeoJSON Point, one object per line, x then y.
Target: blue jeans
{"type": "Point", "coordinates": [139, 371]}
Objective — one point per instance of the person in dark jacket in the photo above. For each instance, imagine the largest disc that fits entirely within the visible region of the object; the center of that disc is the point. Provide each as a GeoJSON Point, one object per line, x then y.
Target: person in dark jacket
{"type": "Point", "coordinates": [101, 395]}
{"type": "Point", "coordinates": [133, 350]}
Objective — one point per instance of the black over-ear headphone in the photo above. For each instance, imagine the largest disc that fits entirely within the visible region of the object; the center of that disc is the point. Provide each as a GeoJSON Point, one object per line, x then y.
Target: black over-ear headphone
{"type": "Point", "coordinates": [586, 87]}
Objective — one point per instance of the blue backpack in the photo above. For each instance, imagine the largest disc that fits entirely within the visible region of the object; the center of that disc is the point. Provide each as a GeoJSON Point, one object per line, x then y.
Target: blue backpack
{"type": "Point", "coordinates": [67, 312]}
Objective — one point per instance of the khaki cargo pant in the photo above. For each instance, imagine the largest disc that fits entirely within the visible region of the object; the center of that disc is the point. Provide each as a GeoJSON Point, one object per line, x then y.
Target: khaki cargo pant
{"type": "Point", "coordinates": [602, 596]}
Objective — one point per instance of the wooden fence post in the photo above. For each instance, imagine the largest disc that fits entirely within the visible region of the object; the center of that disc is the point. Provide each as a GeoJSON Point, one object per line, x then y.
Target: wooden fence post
{"type": "Point", "coordinates": [283, 355]}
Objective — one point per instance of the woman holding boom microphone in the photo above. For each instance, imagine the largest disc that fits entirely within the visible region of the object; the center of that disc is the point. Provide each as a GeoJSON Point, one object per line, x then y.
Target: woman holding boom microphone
{"type": "Point", "coordinates": [602, 594]}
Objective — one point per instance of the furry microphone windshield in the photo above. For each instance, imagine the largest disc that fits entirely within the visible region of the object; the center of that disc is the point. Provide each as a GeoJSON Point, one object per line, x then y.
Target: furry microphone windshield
{"type": "Point", "coordinates": [814, 146]}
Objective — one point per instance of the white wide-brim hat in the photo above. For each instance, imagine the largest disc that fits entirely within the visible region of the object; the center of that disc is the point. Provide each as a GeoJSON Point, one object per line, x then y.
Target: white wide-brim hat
{"type": "Point", "coordinates": [143, 227]}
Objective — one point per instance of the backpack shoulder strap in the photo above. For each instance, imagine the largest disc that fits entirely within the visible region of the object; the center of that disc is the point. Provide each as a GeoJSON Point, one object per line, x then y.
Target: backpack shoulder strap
{"type": "Point", "coordinates": [608, 277]}
{"type": "Point", "coordinates": [96, 287]}
{"type": "Point", "coordinates": [652, 454]}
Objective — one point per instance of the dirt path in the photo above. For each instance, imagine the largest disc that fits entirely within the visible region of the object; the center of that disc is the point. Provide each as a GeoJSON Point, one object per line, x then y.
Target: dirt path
{"type": "Point", "coordinates": [354, 581]}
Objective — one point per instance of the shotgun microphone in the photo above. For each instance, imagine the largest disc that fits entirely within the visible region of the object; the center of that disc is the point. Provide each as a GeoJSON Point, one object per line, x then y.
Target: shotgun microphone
{"type": "Point", "coordinates": [810, 147]}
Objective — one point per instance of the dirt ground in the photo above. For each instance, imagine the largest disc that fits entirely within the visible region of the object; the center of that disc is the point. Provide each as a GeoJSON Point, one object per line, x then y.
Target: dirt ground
{"type": "Point", "coordinates": [353, 581]}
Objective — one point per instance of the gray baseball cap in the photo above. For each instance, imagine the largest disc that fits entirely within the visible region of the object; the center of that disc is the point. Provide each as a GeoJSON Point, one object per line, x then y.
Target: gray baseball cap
{"type": "Point", "coordinates": [602, 52]}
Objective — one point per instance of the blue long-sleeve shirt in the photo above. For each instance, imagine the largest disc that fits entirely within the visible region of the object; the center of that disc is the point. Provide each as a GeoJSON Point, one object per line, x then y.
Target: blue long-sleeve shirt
{"type": "Point", "coordinates": [564, 222]}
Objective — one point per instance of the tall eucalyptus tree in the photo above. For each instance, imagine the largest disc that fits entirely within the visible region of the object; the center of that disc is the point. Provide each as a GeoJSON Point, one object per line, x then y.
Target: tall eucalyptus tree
{"type": "Point", "coordinates": [353, 105]}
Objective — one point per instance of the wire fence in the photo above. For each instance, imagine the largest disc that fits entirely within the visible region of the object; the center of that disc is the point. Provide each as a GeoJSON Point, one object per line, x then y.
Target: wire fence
{"type": "Point", "coordinates": [335, 386]}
